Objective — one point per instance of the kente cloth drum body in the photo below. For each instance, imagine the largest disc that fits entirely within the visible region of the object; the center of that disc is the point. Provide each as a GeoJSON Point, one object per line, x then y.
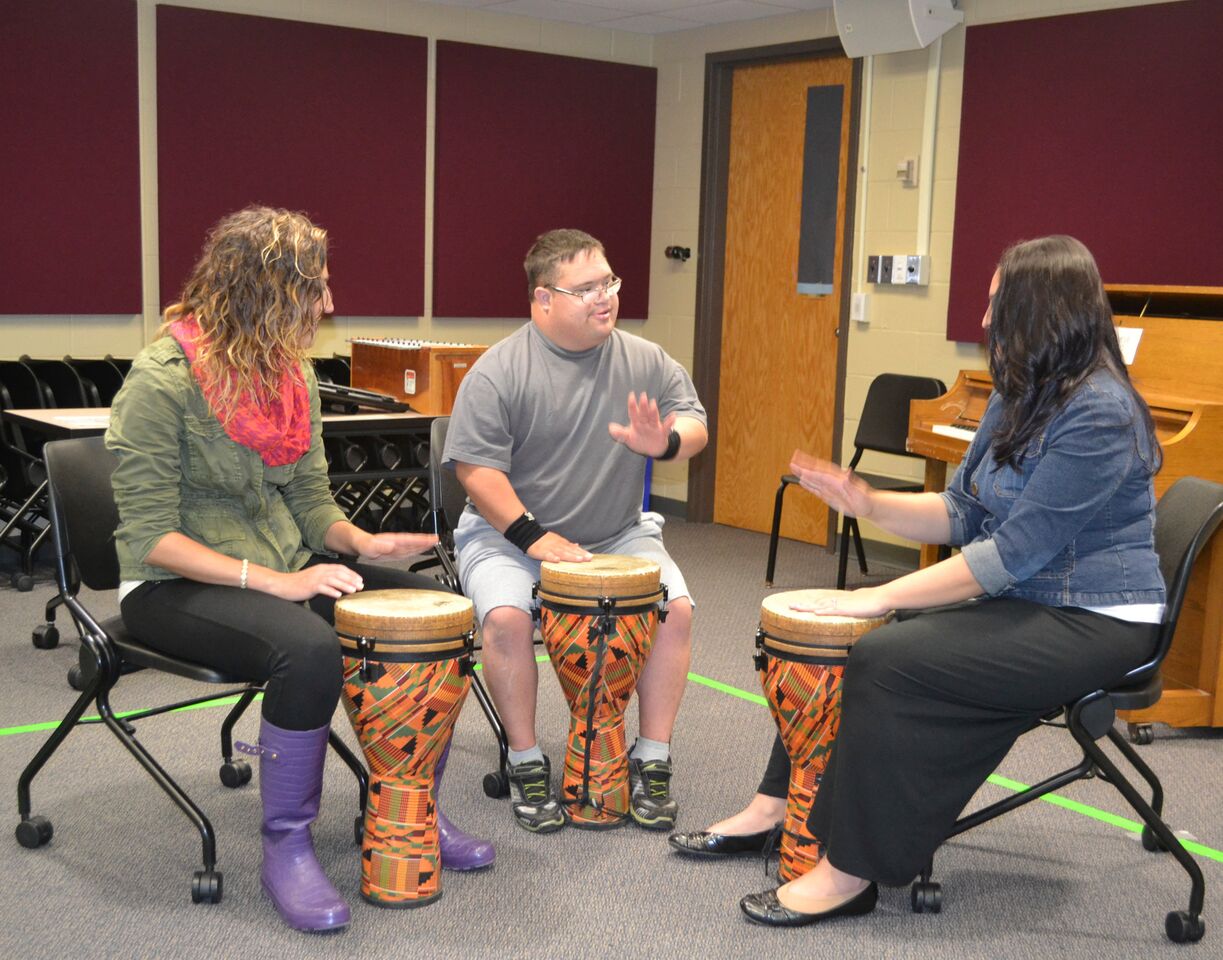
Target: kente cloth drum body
{"type": "Point", "coordinates": [801, 658]}
{"type": "Point", "coordinates": [598, 620]}
{"type": "Point", "coordinates": [407, 670]}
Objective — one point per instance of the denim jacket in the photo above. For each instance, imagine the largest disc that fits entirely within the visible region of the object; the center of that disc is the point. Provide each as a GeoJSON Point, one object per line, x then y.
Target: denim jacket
{"type": "Point", "coordinates": [179, 471]}
{"type": "Point", "coordinates": [1074, 525]}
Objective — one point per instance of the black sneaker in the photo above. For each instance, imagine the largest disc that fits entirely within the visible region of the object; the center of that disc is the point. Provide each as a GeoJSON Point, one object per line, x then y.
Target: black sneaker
{"type": "Point", "coordinates": [650, 783]}
{"type": "Point", "coordinates": [535, 806]}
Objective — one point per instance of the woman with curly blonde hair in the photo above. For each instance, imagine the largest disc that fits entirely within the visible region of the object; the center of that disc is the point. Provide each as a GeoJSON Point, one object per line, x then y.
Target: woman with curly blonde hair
{"type": "Point", "coordinates": [227, 524]}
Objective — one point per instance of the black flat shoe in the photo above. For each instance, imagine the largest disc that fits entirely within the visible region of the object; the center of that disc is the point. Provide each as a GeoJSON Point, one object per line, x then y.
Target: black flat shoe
{"type": "Point", "coordinates": [706, 844]}
{"type": "Point", "coordinates": [766, 909]}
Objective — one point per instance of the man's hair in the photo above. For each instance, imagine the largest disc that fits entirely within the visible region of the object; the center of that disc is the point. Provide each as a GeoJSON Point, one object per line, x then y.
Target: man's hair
{"type": "Point", "coordinates": [552, 249]}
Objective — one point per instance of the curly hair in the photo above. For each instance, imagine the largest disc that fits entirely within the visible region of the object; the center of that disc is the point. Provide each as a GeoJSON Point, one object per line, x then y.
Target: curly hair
{"type": "Point", "coordinates": [1051, 327]}
{"type": "Point", "coordinates": [255, 294]}
{"type": "Point", "coordinates": [552, 249]}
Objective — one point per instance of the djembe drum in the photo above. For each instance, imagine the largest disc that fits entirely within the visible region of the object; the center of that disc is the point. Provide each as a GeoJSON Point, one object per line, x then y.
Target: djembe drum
{"type": "Point", "coordinates": [801, 658]}
{"type": "Point", "coordinates": [598, 620]}
{"type": "Point", "coordinates": [407, 670]}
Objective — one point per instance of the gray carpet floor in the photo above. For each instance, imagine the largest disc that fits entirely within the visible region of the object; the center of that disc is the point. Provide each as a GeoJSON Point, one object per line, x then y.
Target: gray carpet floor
{"type": "Point", "coordinates": [115, 880]}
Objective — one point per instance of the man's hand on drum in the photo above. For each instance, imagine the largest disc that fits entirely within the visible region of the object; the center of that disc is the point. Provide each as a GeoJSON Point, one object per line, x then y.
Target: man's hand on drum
{"type": "Point", "coordinates": [839, 487]}
{"type": "Point", "coordinates": [647, 433]}
{"type": "Point", "coordinates": [392, 546]}
{"type": "Point", "coordinates": [328, 579]}
{"type": "Point", "coordinates": [863, 602]}
{"type": "Point", "coordinates": [553, 548]}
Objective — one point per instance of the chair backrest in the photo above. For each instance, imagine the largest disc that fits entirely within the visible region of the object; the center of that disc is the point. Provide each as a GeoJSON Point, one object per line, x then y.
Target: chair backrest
{"type": "Point", "coordinates": [1186, 517]}
{"type": "Point", "coordinates": [446, 494]}
{"type": "Point", "coordinates": [83, 512]}
{"type": "Point", "coordinates": [884, 425]}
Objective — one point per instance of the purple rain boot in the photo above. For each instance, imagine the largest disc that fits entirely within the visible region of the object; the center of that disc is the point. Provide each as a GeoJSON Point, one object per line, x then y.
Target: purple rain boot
{"type": "Point", "coordinates": [460, 851]}
{"type": "Point", "coordinates": [290, 784]}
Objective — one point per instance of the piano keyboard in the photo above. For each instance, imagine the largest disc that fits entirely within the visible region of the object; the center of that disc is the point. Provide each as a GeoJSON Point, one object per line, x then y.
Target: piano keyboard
{"type": "Point", "coordinates": [395, 343]}
{"type": "Point", "coordinates": [947, 430]}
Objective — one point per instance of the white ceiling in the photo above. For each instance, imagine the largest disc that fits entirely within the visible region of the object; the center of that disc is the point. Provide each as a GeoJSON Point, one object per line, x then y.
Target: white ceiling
{"type": "Point", "coordinates": [644, 16]}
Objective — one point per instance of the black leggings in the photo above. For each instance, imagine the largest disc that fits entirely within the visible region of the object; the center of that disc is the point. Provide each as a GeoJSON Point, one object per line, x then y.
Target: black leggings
{"type": "Point", "coordinates": [289, 647]}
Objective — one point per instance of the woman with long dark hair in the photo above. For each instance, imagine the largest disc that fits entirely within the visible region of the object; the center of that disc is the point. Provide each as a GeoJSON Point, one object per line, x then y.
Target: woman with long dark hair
{"type": "Point", "coordinates": [1056, 588]}
{"type": "Point", "coordinates": [227, 524]}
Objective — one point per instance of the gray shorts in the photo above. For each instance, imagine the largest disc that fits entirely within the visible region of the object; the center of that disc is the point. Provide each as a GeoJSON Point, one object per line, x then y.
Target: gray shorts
{"type": "Point", "coordinates": [495, 573]}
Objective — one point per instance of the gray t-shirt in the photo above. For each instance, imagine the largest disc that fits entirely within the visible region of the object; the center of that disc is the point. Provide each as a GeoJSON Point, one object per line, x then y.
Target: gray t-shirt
{"type": "Point", "coordinates": [539, 414]}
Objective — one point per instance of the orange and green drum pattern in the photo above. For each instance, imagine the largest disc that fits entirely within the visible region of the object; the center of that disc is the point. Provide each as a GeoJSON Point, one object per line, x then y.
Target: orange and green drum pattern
{"type": "Point", "coordinates": [805, 700]}
{"type": "Point", "coordinates": [404, 716]}
{"type": "Point", "coordinates": [572, 647]}
{"type": "Point", "coordinates": [803, 660]}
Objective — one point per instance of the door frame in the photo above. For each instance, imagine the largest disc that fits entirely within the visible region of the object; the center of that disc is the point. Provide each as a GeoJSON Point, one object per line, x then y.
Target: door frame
{"type": "Point", "coordinates": [715, 178]}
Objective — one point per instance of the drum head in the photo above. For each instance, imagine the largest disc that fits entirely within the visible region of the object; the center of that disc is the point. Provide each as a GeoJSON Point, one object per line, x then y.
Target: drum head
{"type": "Point", "coordinates": [607, 575]}
{"type": "Point", "coordinates": [777, 619]}
{"type": "Point", "coordinates": [403, 614]}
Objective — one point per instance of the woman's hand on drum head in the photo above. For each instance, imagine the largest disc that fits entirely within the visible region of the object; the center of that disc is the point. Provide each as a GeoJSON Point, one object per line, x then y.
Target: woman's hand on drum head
{"type": "Point", "coordinates": [329, 579]}
{"type": "Point", "coordinates": [837, 486]}
{"type": "Point", "coordinates": [554, 548]}
{"type": "Point", "coordinates": [864, 602]}
{"type": "Point", "coordinates": [390, 546]}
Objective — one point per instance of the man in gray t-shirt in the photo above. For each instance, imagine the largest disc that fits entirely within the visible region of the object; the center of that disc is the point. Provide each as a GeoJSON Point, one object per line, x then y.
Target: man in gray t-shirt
{"type": "Point", "coordinates": [552, 473]}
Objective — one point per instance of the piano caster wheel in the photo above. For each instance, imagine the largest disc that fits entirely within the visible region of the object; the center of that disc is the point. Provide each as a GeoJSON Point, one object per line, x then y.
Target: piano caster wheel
{"type": "Point", "coordinates": [1140, 733]}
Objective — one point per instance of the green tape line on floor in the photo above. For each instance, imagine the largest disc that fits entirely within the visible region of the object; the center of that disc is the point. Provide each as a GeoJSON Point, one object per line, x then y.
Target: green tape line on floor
{"type": "Point", "coordinates": [1103, 816]}
{"type": "Point", "coordinates": [1085, 810]}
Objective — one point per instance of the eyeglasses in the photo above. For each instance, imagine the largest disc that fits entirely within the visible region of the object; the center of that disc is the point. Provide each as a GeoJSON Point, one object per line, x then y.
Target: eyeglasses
{"type": "Point", "coordinates": [609, 288]}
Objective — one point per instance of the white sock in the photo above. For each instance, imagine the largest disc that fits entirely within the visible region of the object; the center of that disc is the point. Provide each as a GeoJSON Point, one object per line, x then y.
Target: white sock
{"type": "Point", "coordinates": [515, 757]}
{"type": "Point", "coordinates": [647, 749]}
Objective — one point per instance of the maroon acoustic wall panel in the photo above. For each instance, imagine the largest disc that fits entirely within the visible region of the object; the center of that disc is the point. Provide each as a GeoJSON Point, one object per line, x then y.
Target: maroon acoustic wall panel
{"type": "Point", "coordinates": [1101, 125]}
{"type": "Point", "coordinates": [327, 120]}
{"type": "Point", "coordinates": [527, 142]}
{"type": "Point", "coordinates": [70, 157]}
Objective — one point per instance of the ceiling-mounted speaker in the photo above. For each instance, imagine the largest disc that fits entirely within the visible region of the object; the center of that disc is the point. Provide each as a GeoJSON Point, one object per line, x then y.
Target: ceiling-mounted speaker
{"type": "Point", "coordinates": [868, 27]}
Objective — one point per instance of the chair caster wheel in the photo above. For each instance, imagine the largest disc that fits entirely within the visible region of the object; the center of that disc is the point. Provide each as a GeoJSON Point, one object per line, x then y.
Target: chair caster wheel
{"type": "Point", "coordinates": [34, 832]}
{"type": "Point", "coordinates": [235, 773]}
{"type": "Point", "coordinates": [1184, 927]}
{"type": "Point", "coordinates": [23, 582]}
{"type": "Point", "coordinates": [926, 897]}
{"type": "Point", "coordinates": [46, 636]}
{"type": "Point", "coordinates": [496, 785]}
{"type": "Point", "coordinates": [358, 829]}
{"type": "Point", "coordinates": [206, 886]}
{"type": "Point", "coordinates": [1140, 733]}
{"type": "Point", "coordinates": [1150, 841]}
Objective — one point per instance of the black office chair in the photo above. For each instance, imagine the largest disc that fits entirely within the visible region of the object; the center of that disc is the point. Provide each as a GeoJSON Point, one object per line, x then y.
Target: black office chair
{"type": "Point", "coordinates": [83, 520]}
{"type": "Point", "coordinates": [884, 427]}
{"type": "Point", "coordinates": [1185, 519]}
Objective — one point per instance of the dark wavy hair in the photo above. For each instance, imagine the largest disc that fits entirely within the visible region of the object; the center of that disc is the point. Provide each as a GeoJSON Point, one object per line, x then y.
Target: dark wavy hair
{"type": "Point", "coordinates": [1051, 328]}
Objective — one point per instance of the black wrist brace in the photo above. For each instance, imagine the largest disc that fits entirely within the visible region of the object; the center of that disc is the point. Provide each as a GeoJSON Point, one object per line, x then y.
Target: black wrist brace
{"type": "Point", "coordinates": [673, 442]}
{"type": "Point", "coordinates": [524, 531]}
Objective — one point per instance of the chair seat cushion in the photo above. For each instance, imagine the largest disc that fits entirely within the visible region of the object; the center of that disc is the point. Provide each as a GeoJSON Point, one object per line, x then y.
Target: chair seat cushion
{"type": "Point", "coordinates": [1138, 696]}
{"type": "Point", "coordinates": [900, 484]}
{"type": "Point", "coordinates": [137, 654]}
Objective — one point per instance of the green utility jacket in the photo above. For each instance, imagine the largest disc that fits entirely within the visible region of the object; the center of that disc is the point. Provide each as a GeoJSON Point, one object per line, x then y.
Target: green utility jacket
{"type": "Point", "coordinates": [179, 471]}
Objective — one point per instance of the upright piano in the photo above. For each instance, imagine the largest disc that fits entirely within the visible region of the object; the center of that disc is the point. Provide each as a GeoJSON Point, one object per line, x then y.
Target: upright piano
{"type": "Point", "coordinates": [1178, 369]}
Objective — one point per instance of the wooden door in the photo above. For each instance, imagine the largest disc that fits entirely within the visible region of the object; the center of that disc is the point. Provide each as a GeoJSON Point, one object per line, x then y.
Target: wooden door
{"type": "Point", "coordinates": [779, 356]}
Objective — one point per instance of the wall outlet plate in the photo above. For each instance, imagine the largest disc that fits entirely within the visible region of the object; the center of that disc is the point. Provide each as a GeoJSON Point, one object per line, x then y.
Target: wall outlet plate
{"type": "Point", "coordinates": [899, 269]}
{"type": "Point", "coordinates": [885, 269]}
